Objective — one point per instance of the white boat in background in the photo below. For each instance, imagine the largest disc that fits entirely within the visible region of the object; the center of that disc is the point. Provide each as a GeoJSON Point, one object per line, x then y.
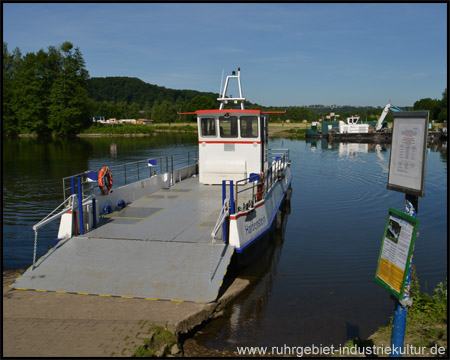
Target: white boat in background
{"type": "Point", "coordinates": [169, 226]}
{"type": "Point", "coordinates": [352, 126]}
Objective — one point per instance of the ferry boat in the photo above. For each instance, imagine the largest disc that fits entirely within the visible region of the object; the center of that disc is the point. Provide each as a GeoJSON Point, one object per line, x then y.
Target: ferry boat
{"type": "Point", "coordinates": [168, 227]}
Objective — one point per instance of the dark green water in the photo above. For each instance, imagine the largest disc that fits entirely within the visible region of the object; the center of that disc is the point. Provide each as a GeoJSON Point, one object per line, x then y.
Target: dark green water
{"type": "Point", "coordinates": [317, 286]}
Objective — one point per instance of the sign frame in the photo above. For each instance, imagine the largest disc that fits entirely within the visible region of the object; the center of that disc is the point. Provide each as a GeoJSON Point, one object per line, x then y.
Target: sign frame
{"type": "Point", "coordinates": [412, 221]}
{"type": "Point", "coordinates": [407, 160]}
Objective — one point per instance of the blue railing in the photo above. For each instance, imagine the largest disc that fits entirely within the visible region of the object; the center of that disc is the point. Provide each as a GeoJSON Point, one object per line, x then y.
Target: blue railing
{"type": "Point", "coordinates": [128, 173]}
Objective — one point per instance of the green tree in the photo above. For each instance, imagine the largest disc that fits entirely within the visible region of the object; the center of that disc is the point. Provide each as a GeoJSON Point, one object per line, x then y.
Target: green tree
{"type": "Point", "coordinates": [147, 110]}
{"type": "Point", "coordinates": [156, 112]}
{"type": "Point", "coordinates": [69, 108]}
{"type": "Point", "coordinates": [437, 108]}
{"type": "Point", "coordinates": [30, 92]}
{"type": "Point", "coordinates": [11, 64]}
{"type": "Point", "coordinates": [300, 113]}
{"type": "Point", "coordinates": [122, 110]}
{"type": "Point", "coordinates": [133, 111]}
{"type": "Point", "coordinates": [443, 106]}
{"type": "Point", "coordinates": [108, 109]}
{"type": "Point", "coordinates": [426, 104]}
{"type": "Point", "coordinates": [168, 112]}
{"type": "Point", "coordinates": [201, 102]}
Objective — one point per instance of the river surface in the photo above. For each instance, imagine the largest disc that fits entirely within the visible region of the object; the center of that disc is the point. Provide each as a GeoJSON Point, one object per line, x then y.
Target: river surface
{"type": "Point", "coordinates": [315, 284]}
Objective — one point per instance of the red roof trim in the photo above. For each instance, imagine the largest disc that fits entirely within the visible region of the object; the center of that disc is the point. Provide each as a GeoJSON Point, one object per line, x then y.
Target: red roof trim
{"type": "Point", "coordinates": [239, 111]}
{"type": "Point", "coordinates": [224, 111]}
{"type": "Point", "coordinates": [229, 142]}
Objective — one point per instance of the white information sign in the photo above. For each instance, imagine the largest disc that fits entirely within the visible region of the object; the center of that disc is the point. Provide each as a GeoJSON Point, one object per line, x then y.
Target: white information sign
{"type": "Point", "coordinates": [408, 152]}
{"type": "Point", "coordinates": [396, 250]}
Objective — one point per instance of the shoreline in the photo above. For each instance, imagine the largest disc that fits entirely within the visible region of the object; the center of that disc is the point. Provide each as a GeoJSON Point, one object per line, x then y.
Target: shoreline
{"type": "Point", "coordinates": [286, 130]}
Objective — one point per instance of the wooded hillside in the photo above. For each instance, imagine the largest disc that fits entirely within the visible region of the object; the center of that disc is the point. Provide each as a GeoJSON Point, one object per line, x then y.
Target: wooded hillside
{"type": "Point", "coordinates": [134, 90]}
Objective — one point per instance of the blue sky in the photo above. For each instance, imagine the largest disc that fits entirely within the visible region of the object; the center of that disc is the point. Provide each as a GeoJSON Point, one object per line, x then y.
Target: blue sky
{"type": "Point", "coordinates": [289, 54]}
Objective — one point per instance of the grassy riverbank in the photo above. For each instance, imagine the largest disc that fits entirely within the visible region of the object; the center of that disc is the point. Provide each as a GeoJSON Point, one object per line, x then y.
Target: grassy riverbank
{"type": "Point", "coordinates": [134, 129]}
{"type": "Point", "coordinates": [426, 326]}
{"type": "Point", "coordinates": [426, 331]}
{"type": "Point", "coordinates": [275, 129]}
{"type": "Point", "coordinates": [288, 130]}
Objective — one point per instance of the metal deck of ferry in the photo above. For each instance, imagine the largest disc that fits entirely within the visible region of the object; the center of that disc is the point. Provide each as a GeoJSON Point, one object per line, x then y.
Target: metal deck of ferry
{"type": "Point", "coordinates": [158, 247]}
{"type": "Point", "coordinates": [150, 249]}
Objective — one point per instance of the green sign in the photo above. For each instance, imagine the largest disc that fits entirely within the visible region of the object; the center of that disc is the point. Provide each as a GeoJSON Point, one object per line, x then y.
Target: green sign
{"type": "Point", "coordinates": [396, 251]}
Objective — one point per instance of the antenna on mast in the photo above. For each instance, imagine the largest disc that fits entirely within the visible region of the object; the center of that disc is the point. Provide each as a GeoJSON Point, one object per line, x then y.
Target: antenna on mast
{"type": "Point", "coordinates": [222, 97]}
{"type": "Point", "coordinates": [221, 81]}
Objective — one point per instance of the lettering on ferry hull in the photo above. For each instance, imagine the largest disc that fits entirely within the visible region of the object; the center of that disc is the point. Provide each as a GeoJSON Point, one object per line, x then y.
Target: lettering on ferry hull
{"type": "Point", "coordinates": [255, 225]}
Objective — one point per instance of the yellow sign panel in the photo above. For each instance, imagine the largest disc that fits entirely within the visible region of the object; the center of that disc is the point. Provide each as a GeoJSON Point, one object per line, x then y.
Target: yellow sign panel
{"type": "Point", "coordinates": [391, 274]}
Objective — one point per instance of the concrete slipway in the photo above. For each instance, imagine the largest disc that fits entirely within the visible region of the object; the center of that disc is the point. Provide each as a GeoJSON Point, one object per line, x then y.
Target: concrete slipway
{"type": "Point", "coordinates": [51, 324]}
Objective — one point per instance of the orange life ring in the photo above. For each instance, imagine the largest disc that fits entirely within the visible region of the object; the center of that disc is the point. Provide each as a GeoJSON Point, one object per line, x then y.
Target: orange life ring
{"type": "Point", "coordinates": [105, 180]}
{"type": "Point", "coordinates": [259, 188]}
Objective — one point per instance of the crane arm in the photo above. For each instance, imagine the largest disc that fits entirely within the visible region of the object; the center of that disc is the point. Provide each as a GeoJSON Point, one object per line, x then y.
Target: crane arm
{"type": "Point", "coordinates": [379, 124]}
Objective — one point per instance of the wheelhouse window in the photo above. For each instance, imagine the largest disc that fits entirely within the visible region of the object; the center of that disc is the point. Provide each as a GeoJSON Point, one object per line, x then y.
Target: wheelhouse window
{"type": "Point", "coordinates": [249, 126]}
{"type": "Point", "coordinates": [208, 126]}
{"type": "Point", "coordinates": [228, 126]}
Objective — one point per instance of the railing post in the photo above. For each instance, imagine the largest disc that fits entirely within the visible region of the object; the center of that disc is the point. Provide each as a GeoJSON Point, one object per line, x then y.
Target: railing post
{"type": "Point", "coordinates": [231, 198]}
{"type": "Point", "coordinates": [125, 169]}
{"type": "Point", "coordinates": [400, 314]}
{"type": "Point", "coordinates": [80, 205]}
{"type": "Point", "coordinates": [224, 191]}
{"type": "Point", "coordinates": [224, 196]}
{"type": "Point", "coordinates": [72, 184]}
{"type": "Point", "coordinates": [138, 171]}
{"type": "Point", "coordinates": [253, 192]}
{"type": "Point", "coordinates": [171, 170]}
{"type": "Point", "coordinates": [34, 248]}
{"type": "Point", "coordinates": [94, 212]}
{"type": "Point", "coordinates": [64, 189]}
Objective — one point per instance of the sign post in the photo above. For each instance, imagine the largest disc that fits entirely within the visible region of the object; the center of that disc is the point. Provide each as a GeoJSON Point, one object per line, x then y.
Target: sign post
{"type": "Point", "coordinates": [406, 174]}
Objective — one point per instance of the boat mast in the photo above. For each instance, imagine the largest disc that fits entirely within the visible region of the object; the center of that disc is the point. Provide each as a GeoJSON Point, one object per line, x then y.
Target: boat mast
{"type": "Point", "coordinates": [223, 99]}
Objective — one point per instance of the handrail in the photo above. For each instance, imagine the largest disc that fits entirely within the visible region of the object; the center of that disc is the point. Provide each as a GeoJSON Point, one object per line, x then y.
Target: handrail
{"type": "Point", "coordinates": [277, 160]}
{"type": "Point", "coordinates": [224, 213]}
{"type": "Point", "coordinates": [124, 174]}
{"type": "Point", "coordinates": [51, 217]}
